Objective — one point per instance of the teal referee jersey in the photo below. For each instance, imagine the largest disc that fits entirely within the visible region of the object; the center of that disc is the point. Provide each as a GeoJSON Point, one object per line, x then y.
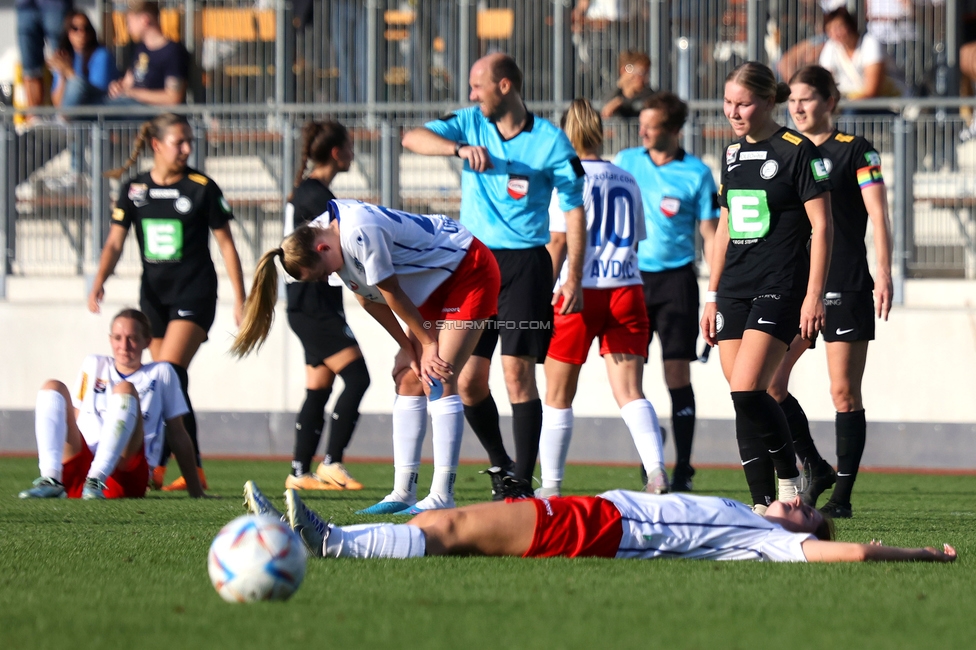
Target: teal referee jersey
{"type": "Point", "coordinates": [676, 197]}
{"type": "Point", "coordinates": [507, 206]}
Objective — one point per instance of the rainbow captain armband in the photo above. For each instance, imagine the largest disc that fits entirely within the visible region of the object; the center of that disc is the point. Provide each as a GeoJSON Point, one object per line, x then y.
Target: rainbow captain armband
{"type": "Point", "coordinates": [867, 176]}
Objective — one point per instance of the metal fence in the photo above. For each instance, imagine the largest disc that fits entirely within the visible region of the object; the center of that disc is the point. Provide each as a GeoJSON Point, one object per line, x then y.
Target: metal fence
{"type": "Point", "coordinates": [377, 51]}
{"type": "Point", "coordinates": [56, 202]}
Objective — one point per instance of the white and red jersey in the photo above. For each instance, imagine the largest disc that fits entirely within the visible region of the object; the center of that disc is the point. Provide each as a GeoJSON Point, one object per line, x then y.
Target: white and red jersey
{"type": "Point", "coordinates": [378, 242]}
{"type": "Point", "coordinates": [614, 225]}
{"type": "Point", "coordinates": [698, 527]}
{"type": "Point", "coordinates": [160, 399]}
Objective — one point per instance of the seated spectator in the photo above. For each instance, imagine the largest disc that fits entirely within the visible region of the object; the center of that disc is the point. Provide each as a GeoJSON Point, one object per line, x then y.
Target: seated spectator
{"type": "Point", "coordinates": [856, 60]}
{"type": "Point", "coordinates": [37, 21]}
{"type": "Point", "coordinates": [83, 68]}
{"type": "Point", "coordinates": [632, 86]}
{"type": "Point", "coordinates": [158, 73]}
{"type": "Point", "coordinates": [967, 64]}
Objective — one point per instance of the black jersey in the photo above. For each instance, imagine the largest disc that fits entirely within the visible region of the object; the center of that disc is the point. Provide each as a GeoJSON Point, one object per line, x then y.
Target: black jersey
{"type": "Point", "coordinates": [316, 299]}
{"type": "Point", "coordinates": [853, 163]}
{"type": "Point", "coordinates": [764, 186]}
{"type": "Point", "coordinates": [173, 225]}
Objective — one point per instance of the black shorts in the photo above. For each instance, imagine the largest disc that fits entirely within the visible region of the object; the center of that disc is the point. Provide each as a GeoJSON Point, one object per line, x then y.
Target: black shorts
{"type": "Point", "coordinates": [778, 316]}
{"type": "Point", "coordinates": [321, 337]}
{"type": "Point", "coordinates": [524, 321]}
{"type": "Point", "coordinates": [196, 310]}
{"type": "Point", "coordinates": [671, 299]}
{"type": "Point", "coordinates": [849, 316]}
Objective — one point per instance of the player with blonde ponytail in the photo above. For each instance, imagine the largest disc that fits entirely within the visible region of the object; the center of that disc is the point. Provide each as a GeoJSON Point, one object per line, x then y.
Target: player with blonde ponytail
{"type": "Point", "coordinates": [429, 271]}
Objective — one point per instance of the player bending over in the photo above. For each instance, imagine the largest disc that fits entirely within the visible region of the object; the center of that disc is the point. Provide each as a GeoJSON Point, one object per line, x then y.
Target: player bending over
{"type": "Point", "coordinates": [619, 523]}
{"type": "Point", "coordinates": [114, 434]}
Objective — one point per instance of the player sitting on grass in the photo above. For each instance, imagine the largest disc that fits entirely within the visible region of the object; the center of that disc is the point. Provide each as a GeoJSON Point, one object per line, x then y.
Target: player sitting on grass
{"type": "Point", "coordinates": [619, 524]}
{"type": "Point", "coordinates": [114, 433]}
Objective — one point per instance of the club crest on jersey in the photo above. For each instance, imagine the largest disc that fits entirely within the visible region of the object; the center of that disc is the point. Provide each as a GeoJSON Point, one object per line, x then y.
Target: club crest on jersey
{"type": "Point", "coordinates": [518, 186]}
{"type": "Point", "coordinates": [183, 205]}
{"type": "Point", "coordinates": [99, 386]}
{"type": "Point", "coordinates": [769, 169]}
{"type": "Point", "coordinates": [731, 153]}
{"type": "Point", "coordinates": [670, 206]}
{"type": "Point", "coordinates": [354, 286]}
{"type": "Point", "coordinates": [138, 193]}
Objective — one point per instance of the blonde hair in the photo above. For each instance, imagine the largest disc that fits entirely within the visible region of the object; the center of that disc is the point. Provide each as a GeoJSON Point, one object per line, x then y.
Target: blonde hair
{"type": "Point", "coordinates": [583, 127]}
{"type": "Point", "coordinates": [150, 130]}
{"type": "Point", "coordinates": [760, 81]}
{"type": "Point", "coordinates": [140, 319]}
{"type": "Point", "coordinates": [296, 253]}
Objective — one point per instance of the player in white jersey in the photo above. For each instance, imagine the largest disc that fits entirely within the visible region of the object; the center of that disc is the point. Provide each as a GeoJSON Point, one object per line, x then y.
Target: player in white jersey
{"type": "Point", "coordinates": [431, 272]}
{"type": "Point", "coordinates": [124, 410]}
{"type": "Point", "coordinates": [617, 524]}
{"type": "Point", "coordinates": [613, 308]}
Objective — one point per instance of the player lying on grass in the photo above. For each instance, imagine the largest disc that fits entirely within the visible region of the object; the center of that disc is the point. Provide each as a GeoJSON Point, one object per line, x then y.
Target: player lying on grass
{"type": "Point", "coordinates": [619, 524]}
{"type": "Point", "coordinates": [105, 446]}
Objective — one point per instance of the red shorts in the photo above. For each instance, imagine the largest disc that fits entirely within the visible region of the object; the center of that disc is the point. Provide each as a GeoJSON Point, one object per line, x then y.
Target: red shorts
{"type": "Point", "coordinates": [471, 293]}
{"type": "Point", "coordinates": [575, 527]}
{"type": "Point", "coordinates": [617, 316]}
{"type": "Point", "coordinates": [129, 480]}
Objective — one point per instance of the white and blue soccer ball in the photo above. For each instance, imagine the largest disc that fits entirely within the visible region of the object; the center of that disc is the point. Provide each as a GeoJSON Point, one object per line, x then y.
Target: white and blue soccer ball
{"type": "Point", "coordinates": [256, 557]}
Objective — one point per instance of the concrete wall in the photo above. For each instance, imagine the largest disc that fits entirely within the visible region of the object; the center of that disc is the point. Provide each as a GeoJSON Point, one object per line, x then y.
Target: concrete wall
{"type": "Point", "coordinates": [919, 386]}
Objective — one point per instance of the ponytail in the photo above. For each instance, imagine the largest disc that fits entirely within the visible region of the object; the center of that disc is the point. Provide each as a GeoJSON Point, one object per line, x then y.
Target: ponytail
{"type": "Point", "coordinates": [154, 128]}
{"type": "Point", "coordinates": [259, 308]}
{"type": "Point", "coordinates": [297, 252]}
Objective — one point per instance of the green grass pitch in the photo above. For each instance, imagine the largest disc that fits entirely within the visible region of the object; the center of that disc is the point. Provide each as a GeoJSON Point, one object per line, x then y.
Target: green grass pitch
{"type": "Point", "coordinates": [132, 574]}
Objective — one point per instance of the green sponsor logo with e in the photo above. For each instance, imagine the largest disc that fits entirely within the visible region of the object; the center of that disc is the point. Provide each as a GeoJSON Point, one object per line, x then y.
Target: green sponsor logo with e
{"type": "Point", "coordinates": [748, 214]}
{"type": "Point", "coordinates": [163, 239]}
{"type": "Point", "coordinates": [820, 172]}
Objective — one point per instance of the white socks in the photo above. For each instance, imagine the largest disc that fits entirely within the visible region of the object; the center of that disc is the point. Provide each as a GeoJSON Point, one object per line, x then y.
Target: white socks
{"type": "Point", "coordinates": [447, 421]}
{"type": "Point", "coordinates": [557, 431]}
{"type": "Point", "coordinates": [373, 541]}
{"type": "Point", "coordinates": [51, 431]}
{"type": "Point", "coordinates": [117, 427]}
{"type": "Point", "coordinates": [409, 427]}
{"type": "Point", "coordinates": [641, 419]}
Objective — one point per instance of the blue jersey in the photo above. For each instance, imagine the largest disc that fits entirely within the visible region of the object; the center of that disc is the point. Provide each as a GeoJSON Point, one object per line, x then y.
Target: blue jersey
{"type": "Point", "coordinates": [676, 197]}
{"type": "Point", "coordinates": [507, 206]}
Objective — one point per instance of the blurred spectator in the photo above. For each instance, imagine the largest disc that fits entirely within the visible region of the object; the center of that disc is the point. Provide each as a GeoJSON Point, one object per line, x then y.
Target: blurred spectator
{"type": "Point", "coordinates": [595, 25]}
{"type": "Point", "coordinates": [967, 63]}
{"type": "Point", "coordinates": [856, 60]}
{"type": "Point", "coordinates": [890, 21]}
{"type": "Point", "coordinates": [160, 67]}
{"type": "Point", "coordinates": [83, 68]}
{"type": "Point", "coordinates": [807, 51]}
{"type": "Point", "coordinates": [632, 86]}
{"type": "Point", "coordinates": [38, 21]}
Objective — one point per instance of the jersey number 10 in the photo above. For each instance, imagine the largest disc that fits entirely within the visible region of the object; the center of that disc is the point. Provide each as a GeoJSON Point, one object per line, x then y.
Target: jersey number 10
{"type": "Point", "coordinates": [606, 224]}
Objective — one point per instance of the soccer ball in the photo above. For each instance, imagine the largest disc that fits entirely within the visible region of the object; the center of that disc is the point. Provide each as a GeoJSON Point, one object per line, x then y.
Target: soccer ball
{"type": "Point", "coordinates": [256, 557]}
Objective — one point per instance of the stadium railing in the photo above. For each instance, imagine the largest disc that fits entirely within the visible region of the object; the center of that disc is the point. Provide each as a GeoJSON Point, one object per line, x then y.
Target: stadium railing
{"type": "Point", "coordinates": [376, 51]}
{"type": "Point", "coordinates": [55, 202]}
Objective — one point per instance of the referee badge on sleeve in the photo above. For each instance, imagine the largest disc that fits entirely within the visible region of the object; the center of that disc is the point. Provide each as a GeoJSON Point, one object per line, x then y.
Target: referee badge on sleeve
{"type": "Point", "coordinates": [518, 186]}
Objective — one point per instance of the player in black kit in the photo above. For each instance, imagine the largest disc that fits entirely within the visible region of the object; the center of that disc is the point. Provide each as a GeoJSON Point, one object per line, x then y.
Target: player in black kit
{"type": "Point", "coordinates": [763, 284]}
{"type": "Point", "coordinates": [857, 194]}
{"type": "Point", "coordinates": [173, 207]}
{"type": "Point", "coordinates": [316, 316]}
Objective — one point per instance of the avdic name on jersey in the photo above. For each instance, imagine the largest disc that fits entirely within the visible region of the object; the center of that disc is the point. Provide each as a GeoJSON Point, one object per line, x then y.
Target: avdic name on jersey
{"type": "Point", "coordinates": [614, 225]}
{"type": "Point", "coordinates": [699, 527]}
{"type": "Point", "coordinates": [422, 250]}
{"type": "Point", "coordinates": [160, 399]}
